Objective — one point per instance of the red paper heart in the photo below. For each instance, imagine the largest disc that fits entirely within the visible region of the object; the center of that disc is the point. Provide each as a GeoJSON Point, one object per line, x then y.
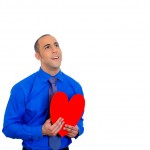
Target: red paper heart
{"type": "Point", "coordinates": [71, 111]}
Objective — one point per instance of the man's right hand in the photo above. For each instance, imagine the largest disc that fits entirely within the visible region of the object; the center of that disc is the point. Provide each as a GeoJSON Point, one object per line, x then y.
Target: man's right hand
{"type": "Point", "coordinates": [52, 130]}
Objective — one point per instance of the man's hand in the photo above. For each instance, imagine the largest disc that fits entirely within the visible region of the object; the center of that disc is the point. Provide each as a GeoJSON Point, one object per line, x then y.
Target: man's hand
{"type": "Point", "coordinates": [52, 130]}
{"type": "Point", "coordinates": [72, 130]}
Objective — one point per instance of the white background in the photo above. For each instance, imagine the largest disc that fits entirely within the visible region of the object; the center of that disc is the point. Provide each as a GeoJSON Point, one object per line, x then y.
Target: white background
{"type": "Point", "coordinates": [106, 47]}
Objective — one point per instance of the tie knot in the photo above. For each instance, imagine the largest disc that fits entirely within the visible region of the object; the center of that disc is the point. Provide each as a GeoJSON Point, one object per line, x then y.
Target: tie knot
{"type": "Point", "coordinates": [53, 80]}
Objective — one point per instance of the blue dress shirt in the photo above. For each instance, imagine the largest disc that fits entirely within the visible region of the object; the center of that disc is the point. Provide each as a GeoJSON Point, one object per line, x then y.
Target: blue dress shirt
{"type": "Point", "coordinates": [28, 108]}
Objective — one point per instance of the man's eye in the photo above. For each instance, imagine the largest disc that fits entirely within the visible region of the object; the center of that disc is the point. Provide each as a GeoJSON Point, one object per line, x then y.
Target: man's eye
{"type": "Point", "coordinates": [57, 45]}
{"type": "Point", "coordinates": [47, 47]}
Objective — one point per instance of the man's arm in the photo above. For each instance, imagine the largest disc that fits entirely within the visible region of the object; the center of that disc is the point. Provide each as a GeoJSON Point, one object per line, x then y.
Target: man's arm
{"type": "Point", "coordinates": [14, 126]}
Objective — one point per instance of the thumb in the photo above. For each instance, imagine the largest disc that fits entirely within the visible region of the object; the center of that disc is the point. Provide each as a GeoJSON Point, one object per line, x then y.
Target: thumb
{"type": "Point", "coordinates": [48, 120]}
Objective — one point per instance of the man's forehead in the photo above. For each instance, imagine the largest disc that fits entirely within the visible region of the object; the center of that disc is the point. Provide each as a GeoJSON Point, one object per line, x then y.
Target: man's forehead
{"type": "Point", "coordinates": [48, 39]}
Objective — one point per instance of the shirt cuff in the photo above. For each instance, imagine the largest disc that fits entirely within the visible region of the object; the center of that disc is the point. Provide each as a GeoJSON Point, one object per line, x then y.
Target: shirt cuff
{"type": "Point", "coordinates": [37, 132]}
{"type": "Point", "coordinates": [77, 134]}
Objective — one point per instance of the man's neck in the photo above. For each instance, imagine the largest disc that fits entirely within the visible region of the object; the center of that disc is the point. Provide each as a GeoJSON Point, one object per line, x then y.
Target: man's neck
{"type": "Point", "coordinates": [50, 71]}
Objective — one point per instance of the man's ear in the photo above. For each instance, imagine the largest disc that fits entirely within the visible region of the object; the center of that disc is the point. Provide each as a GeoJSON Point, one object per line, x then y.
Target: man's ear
{"type": "Point", "coordinates": [37, 56]}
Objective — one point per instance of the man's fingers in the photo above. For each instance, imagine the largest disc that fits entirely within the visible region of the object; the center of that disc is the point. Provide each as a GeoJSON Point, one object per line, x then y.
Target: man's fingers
{"type": "Point", "coordinates": [48, 120]}
{"type": "Point", "coordinates": [57, 126]}
{"type": "Point", "coordinates": [72, 130]}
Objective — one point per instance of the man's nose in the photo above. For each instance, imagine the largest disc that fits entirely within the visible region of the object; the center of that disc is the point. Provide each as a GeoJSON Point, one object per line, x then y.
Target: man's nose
{"type": "Point", "coordinates": [54, 49]}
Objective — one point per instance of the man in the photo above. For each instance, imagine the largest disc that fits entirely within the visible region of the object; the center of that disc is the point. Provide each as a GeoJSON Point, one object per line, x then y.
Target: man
{"type": "Point", "coordinates": [26, 115]}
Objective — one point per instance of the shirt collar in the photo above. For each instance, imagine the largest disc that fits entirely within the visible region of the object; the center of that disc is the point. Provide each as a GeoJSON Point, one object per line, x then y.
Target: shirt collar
{"type": "Point", "coordinates": [45, 76]}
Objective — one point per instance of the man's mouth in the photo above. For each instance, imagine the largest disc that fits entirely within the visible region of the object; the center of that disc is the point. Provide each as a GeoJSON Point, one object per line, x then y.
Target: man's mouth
{"type": "Point", "coordinates": [56, 57]}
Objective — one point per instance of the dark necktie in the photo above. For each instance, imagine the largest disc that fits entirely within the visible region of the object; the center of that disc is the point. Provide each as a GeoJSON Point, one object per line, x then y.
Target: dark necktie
{"type": "Point", "coordinates": [54, 141]}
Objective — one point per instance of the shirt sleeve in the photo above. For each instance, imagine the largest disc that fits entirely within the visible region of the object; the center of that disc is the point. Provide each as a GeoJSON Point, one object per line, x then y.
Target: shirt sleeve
{"type": "Point", "coordinates": [13, 125]}
{"type": "Point", "coordinates": [80, 123]}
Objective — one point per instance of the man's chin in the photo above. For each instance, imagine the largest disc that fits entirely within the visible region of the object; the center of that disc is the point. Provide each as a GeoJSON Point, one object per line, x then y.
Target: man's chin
{"type": "Point", "coordinates": [56, 68]}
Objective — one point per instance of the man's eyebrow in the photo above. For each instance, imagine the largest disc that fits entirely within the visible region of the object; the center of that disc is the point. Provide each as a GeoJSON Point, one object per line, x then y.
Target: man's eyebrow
{"type": "Point", "coordinates": [56, 43]}
{"type": "Point", "coordinates": [47, 45]}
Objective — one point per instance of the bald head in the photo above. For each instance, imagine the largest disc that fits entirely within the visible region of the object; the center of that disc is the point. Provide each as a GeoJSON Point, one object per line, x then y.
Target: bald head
{"type": "Point", "coordinates": [36, 45]}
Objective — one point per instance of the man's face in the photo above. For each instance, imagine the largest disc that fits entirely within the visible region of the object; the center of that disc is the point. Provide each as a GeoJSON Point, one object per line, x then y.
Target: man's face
{"type": "Point", "coordinates": [49, 53]}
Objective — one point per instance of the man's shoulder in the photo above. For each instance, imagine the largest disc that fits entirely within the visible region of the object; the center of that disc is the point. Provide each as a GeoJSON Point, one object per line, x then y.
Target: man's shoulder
{"type": "Point", "coordinates": [24, 86]}
{"type": "Point", "coordinates": [71, 79]}
{"type": "Point", "coordinates": [66, 76]}
{"type": "Point", "coordinates": [27, 81]}
{"type": "Point", "coordinates": [74, 83]}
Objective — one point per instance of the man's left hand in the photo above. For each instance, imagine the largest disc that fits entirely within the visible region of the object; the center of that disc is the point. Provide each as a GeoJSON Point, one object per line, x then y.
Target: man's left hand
{"type": "Point", "coordinates": [72, 130]}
